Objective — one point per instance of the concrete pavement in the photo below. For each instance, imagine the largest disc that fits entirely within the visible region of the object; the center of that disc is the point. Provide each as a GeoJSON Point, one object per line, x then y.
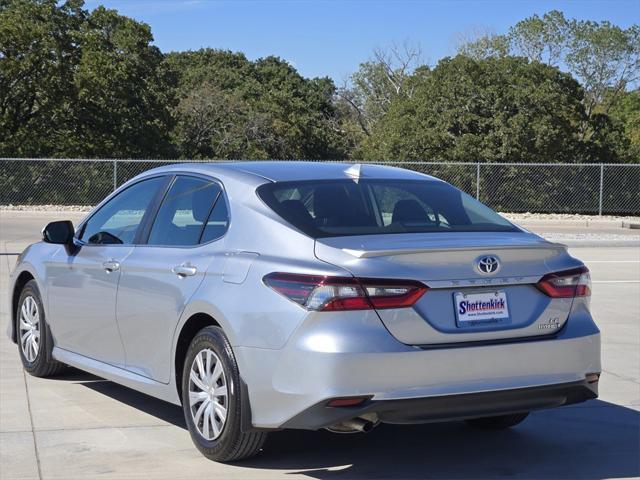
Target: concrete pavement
{"type": "Point", "coordinates": [80, 426]}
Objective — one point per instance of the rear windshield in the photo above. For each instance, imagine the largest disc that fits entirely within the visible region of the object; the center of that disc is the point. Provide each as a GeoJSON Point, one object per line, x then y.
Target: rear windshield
{"type": "Point", "coordinates": [333, 208]}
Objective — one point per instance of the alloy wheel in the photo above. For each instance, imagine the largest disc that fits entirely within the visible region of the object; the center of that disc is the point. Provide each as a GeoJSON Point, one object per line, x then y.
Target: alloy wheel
{"type": "Point", "coordinates": [208, 394]}
{"type": "Point", "coordinates": [29, 329]}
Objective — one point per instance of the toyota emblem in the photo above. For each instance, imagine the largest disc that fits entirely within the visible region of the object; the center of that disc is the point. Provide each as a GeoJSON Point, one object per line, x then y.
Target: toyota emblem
{"type": "Point", "coordinates": [488, 264]}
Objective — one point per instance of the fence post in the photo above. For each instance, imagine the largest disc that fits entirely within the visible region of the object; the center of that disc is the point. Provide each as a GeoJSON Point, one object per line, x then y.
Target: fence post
{"type": "Point", "coordinates": [115, 175]}
{"type": "Point", "coordinates": [601, 189]}
{"type": "Point", "coordinates": [478, 181]}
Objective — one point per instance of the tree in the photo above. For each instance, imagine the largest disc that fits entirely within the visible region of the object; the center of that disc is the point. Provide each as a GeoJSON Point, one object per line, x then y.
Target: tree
{"type": "Point", "coordinates": [273, 111]}
{"type": "Point", "coordinates": [371, 90]}
{"type": "Point", "coordinates": [210, 123]}
{"type": "Point", "coordinates": [37, 57]}
{"type": "Point", "coordinates": [543, 39]}
{"type": "Point", "coordinates": [74, 83]}
{"type": "Point", "coordinates": [605, 58]}
{"type": "Point", "coordinates": [85, 83]}
{"type": "Point", "coordinates": [496, 110]}
{"type": "Point", "coordinates": [482, 44]}
{"type": "Point", "coordinates": [626, 114]}
{"type": "Point", "coordinates": [301, 111]}
{"type": "Point", "coordinates": [503, 110]}
{"type": "Point", "coordinates": [121, 106]}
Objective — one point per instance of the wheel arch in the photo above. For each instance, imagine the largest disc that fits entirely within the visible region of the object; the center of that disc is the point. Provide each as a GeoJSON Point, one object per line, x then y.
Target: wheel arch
{"type": "Point", "coordinates": [23, 278]}
{"type": "Point", "coordinates": [190, 329]}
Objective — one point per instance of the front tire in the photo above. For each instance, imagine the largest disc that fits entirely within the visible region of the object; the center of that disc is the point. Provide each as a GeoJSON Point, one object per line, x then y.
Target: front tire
{"type": "Point", "coordinates": [212, 399]}
{"type": "Point", "coordinates": [35, 342]}
{"type": "Point", "coordinates": [500, 422]}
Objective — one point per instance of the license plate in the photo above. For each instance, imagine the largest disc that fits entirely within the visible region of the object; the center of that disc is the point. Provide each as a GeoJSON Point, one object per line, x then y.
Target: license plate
{"type": "Point", "coordinates": [474, 309]}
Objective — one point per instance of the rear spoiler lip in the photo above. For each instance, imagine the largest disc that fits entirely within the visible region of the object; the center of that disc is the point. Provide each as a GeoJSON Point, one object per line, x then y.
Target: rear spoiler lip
{"type": "Point", "coordinates": [410, 251]}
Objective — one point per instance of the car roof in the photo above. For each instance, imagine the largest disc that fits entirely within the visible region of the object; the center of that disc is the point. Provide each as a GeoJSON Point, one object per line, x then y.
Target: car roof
{"type": "Point", "coordinates": [282, 171]}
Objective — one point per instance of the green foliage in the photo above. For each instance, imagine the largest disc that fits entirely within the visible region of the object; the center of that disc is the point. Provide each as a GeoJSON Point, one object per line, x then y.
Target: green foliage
{"type": "Point", "coordinates": [82, 83]}
{"type": "Point", "coordinates": [542, 39]}
{"type": "Point", "coordinates": [386, 78]}
{"type": "Point", "coordinates": [37, 55]}
{"type": "Point", "coordinates": [79, 84]}
{"type": "Point", "coordinates": [626, 114]}
{"type": "Point", "coordinates": [488, 45]}
{"type": "Point", "coordinates": [499, 109]}
{"type": "Point", "coordinates": [120, 108]}
{"type": "Point", "coordinates": [229, 107]}
{"type": "Point", "coordinates": [603, 57]}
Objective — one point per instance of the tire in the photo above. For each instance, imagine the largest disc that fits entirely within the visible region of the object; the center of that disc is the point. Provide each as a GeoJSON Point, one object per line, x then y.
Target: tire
{"type": "Point", "coordinates": [500, 422]}
{"type": "Point", "coordinates": [221, 441]}
{"type": "Point", "coordinates": [35, 354]}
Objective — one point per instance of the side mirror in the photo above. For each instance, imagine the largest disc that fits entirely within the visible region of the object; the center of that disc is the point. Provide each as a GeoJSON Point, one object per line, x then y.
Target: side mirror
{"type": "Point", "coordinates": [59, 233]}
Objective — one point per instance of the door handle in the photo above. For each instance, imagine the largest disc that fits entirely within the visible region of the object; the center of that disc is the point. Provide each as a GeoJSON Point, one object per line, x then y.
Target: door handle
{"type": "Point", "coordinates": [111, 266]}
{"type": "Point", "coordinates": [184, 270]}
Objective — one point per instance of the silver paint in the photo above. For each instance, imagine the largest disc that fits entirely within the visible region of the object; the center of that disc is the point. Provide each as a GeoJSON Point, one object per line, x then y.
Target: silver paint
{"type": "Point", "coordinates": [123, 323]}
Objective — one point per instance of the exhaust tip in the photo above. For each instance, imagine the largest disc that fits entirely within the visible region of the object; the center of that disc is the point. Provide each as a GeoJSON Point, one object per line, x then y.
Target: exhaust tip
{"type": "Point", "coordinates": [592, 377]}
{"type": "Point", "coordinates": [354, 425]}
{"type": "Point", "coordinates": [367, 426]}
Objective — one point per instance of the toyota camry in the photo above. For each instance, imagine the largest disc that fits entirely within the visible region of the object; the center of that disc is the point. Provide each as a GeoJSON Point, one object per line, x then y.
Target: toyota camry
{"type": "Point", "coordinates": [262, 296]}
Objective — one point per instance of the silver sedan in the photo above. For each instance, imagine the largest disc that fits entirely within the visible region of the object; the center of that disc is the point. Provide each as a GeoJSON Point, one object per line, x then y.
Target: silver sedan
{"type": "Point", "coordinates": [263, 296]}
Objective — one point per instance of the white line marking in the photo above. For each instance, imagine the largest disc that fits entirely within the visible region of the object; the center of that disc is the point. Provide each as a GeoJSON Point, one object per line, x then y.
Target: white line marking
{"type": "Point", "coordinates": [615, 281]}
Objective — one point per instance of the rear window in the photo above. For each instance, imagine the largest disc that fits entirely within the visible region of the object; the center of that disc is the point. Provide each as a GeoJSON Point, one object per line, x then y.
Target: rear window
{"type": "Point", "coordinates": [333, 208]}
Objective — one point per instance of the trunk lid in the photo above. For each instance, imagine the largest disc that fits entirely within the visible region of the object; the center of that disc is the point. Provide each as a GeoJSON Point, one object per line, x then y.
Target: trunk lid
{"type": "Point", "coordinates": [447, 263]}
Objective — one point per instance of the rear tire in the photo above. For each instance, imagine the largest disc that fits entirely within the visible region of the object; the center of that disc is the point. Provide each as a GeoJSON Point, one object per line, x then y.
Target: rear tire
{"type": "Point", "coordinates": [35, 342]}
{"type": "Point", "coordinates": [212, 399]}
{"type": "Point", "coordinates": [500, 422]}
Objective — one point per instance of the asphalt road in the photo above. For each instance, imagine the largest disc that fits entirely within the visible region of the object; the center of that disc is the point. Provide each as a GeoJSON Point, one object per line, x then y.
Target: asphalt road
{"type": "Point", "coordinates": [80, 426]}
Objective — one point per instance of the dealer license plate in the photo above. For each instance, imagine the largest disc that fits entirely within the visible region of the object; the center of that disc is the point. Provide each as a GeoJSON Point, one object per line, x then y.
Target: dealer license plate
{"type": "Point", "coordinates": [473, 309]}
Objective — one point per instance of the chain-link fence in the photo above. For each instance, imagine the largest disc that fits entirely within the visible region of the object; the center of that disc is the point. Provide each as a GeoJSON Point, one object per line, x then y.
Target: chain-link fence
{"type": "Point", "coordinates": [611, 189]}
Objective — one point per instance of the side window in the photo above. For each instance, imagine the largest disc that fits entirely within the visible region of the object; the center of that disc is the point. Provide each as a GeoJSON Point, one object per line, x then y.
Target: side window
{"type": "Point", "coordinates": [218, 221]}
{"type": "Point", "coordinates": [184, 212]}
{"type": "Point", "coordinates": [118, 220]}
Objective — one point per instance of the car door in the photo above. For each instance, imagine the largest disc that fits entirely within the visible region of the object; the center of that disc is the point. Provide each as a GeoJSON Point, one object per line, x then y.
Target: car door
{"type": "Point", "coordinates": [159, 277]}
{"type": "Point", "coordinates": [82, 285]}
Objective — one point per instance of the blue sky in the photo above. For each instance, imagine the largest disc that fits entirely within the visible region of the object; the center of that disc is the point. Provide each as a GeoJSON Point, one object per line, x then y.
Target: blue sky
{"type": "Point", "coordinates": [331, 37]}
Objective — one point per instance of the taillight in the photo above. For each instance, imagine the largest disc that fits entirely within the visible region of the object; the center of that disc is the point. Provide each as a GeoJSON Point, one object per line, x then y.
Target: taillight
{"type": "Point", "coordinates": [323, 293]}
{"type": "Point", "coordinates": [567, 284]}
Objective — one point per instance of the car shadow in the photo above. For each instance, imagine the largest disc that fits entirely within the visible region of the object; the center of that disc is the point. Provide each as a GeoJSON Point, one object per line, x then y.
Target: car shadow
{"type": "Point", "coordinates": [71, 374]}
{"type": "Point", "coordinates": [158, 408]}
{"type": "Point", "coordinates": [594, 440]}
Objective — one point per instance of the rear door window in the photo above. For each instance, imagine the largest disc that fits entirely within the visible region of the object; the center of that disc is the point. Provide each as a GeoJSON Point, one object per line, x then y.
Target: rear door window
{"type": "Point", "coordinates": [184, 212]}
{"type": "Point", "coordinates": [218, 221]}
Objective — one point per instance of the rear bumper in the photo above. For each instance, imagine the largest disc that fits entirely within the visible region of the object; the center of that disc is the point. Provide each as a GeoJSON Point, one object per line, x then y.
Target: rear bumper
{"type": "Point", "coordinates": [351, 354]}
{"type": "Point", "coordinates": [450, 407]}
